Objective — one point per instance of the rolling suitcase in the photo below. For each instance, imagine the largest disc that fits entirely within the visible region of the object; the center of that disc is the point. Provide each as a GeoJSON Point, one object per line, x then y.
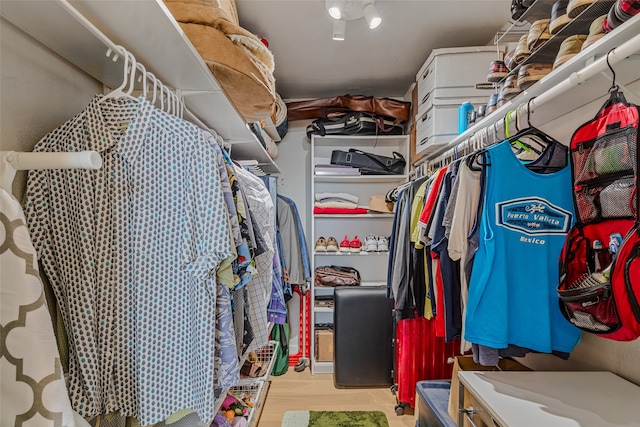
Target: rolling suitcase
{"type": "Point", "coordinates": [420, 355]}
{"type": "Point", "coordinates": [363, 337]}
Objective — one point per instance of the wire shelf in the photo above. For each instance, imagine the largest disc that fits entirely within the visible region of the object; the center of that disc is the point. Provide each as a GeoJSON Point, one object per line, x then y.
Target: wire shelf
{"type": "Point", "coordinates": [260, 367]}
{"type": "Point", "coordinates": [251, 394]}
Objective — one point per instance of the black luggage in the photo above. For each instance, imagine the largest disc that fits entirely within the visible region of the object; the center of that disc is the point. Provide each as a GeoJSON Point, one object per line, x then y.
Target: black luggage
{"type": "Point", "coordinates": [363, 337]}
{"type": "Point", "coordinates": [369, 163]}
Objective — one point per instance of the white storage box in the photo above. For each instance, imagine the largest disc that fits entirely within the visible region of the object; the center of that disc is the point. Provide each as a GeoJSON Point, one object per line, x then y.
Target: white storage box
{"type": "Point", "coordinates": [439, 125]}
{"type": "Point", "coordinates": [454, 73]}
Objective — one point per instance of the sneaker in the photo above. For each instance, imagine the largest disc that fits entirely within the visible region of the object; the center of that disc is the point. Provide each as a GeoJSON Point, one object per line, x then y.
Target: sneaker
{"type": "Point", "coordinates": [321, 245]}
{"type": "Point", "coordinates": [370, 243]}
{"type": "Point", "coordinates": [345, 245]}
{"type": "Point", "coordinates": [383, 244]}
{"type": "Point", "coordinates": [355, 244]}
{"type": "Point", "coordinates": [332, 244]}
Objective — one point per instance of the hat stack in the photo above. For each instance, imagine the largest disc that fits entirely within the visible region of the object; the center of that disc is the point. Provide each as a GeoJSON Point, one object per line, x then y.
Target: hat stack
{"type": "Point", "coordinates": [538, 34]}
{"type": "Point", "coordinates": [576, 7]}
{"type": "Point", "coordinates": [510, 88]}
{"type": "Point", "coordinates": [559, 17]}
{"type": "Point", "coordinates": [620, 12]}
{"type": "Point", "coordinates": [596, 32]}
{"type": "Point", "coordinates": [531, 73]}
{"type": "Point", "coordinates": [570, 47]}
{"type": "Point", "coordinates": [522, 51]}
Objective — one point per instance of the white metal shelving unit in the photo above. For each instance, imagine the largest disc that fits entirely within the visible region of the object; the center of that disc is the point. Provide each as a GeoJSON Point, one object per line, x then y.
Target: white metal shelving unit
{"type": "Point", "coordinates": [81, 31]}
{"type": "Point", "coordinates": [372, 266]}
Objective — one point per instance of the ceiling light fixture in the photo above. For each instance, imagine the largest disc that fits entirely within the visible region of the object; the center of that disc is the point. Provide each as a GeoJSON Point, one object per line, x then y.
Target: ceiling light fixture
{"type": "Point", "coordinates": [339, 27]}
{"type": "Point", "coordinates": [334, 9]}
{"type": "Point", "coordinates": [349, 10]}
{"type": "Point", "coordinates": [371, 15]}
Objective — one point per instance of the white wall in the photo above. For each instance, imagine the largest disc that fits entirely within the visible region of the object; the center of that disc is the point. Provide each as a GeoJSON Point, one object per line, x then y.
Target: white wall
{"type": "Point", "coordinates": [40, 91]}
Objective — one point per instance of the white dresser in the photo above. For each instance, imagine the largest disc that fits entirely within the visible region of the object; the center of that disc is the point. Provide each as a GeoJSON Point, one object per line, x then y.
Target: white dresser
{"type": "Point", "coordinates": [551, 399]}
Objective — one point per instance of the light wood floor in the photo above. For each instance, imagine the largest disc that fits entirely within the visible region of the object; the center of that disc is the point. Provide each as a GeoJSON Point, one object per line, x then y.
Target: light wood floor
{"type": "Point", "coordinates": [299, 391]}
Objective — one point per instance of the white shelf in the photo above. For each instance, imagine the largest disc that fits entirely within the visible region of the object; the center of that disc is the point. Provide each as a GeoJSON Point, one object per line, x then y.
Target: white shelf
{"type": "Point", "coordinates": [360, 178]}
{"type": "Point", "coordinates": [343, 254]}
{"type": "Point", "coordinates": [371, 265]}
{"type": "Point", "coordinates": [367, 215]}
{"type": "Point", "coordinates": [81, 32]}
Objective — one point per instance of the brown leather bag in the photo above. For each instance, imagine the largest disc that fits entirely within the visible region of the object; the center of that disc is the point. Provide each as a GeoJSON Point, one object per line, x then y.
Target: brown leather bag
{"type": "Point", "coordinates": [327, 108]}
{"type": "Point", "coordinates": [334, 275]}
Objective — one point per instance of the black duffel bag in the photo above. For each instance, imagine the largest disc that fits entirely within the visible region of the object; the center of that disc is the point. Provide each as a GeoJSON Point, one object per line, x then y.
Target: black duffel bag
{"type": "Point", "coordinates": [354, 123]}
{"type": "Point", "coordinates": [369, 163]}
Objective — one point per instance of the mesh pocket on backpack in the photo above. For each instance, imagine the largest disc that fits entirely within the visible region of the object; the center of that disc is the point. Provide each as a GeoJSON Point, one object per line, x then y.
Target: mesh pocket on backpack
{"type": "Point", "coordinates": [609, 155]}
{"type": "Point", "coordinates": [616, 199]}
{"type": "Point", "coordinates": [587, 204]}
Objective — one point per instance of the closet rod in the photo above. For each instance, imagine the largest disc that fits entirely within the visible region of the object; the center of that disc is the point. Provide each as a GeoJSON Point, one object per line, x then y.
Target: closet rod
{"type": "Point", "coordinates": [12, 161]}
{"type": "Point", "coordinates": [615, 56]}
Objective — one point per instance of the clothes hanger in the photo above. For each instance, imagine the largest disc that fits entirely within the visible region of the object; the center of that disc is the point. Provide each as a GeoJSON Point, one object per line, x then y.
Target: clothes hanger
{"type": "Point", "coordinates": [118, 92]}
{"type": "Point", "coordinates": [523, 146]}
{"type": "Point", "coordinates": [152, 78]}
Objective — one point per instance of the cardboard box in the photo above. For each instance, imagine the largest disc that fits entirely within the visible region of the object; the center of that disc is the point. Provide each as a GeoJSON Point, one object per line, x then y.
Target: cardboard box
{"type": "Point", "coordinates": [324, 345]}
{"type": "Point", "coordinates": [466, 363]}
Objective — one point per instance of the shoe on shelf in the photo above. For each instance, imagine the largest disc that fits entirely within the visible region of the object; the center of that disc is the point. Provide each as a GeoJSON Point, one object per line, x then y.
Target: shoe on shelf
{"type": "Point", "coordinates": [383, 244]}
{"type": "Point", "coordinates": [370, 243]}
{"type": "Point", "coordinates": [345, 245]}
{"type": "Point", "coordinates": [355, 244]}
{"type": "Point", "coordinates": [332, 244]}
{"type": "Point", "coordinates": [321, 245]}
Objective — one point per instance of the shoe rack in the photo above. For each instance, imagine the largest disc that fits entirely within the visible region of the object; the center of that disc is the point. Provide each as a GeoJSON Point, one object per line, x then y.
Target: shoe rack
{"type": "Point", "coordinates": [371, 265]}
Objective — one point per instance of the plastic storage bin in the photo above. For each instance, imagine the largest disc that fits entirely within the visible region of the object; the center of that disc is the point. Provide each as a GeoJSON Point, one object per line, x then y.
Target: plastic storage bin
{"type": "Point", "coordinates": [454, 73]}
{"type": "Point", "coordinates": [431, 404]}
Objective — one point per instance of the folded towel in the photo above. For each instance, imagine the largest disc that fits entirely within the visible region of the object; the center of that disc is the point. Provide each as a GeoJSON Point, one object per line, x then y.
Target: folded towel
{"type": "Point", "coordinates": [323, 197]}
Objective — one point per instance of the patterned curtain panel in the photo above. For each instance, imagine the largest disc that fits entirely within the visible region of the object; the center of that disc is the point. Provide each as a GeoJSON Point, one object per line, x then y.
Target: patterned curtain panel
{"type": "Point", "coordinates": [33, 391]}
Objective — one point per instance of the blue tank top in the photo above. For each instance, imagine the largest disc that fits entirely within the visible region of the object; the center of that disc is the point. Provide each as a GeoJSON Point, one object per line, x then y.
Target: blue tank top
{"type": "Point", "coordinates": [512, 292]}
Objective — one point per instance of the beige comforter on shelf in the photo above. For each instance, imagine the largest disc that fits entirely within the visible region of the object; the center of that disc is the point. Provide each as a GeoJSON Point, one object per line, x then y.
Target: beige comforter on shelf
{"type": "Point", "coordinates": [240, 62]}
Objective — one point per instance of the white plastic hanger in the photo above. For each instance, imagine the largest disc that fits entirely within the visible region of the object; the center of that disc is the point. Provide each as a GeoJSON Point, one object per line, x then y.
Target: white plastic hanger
{"type": "Point", "coordinates": [118, 92]}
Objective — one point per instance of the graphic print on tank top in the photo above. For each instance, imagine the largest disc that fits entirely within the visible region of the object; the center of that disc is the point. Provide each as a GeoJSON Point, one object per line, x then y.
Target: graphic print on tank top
{"type": "Point", "coordinates": [534, 216]}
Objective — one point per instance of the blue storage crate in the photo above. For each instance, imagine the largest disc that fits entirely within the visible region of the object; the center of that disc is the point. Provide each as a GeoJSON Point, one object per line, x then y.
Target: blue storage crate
{"type": "Point", "coordinates": [432, 404]}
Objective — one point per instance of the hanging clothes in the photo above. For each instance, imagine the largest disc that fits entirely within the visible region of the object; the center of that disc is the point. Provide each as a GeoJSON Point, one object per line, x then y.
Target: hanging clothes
{"type": "Point", "coordinates": [131, 248]}
{"type": "Point", "coordinates": [523, 225]}
{"type": "Point", "coordinates": [262, 213]}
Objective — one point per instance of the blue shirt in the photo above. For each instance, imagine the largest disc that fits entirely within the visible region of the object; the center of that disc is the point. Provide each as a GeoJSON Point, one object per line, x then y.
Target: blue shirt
{"type": "Point", "coordinates": [512, 293]}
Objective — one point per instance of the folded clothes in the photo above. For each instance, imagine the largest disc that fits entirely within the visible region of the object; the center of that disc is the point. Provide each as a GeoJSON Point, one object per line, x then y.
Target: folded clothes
{"type": "Point", "coordinates": [335, 204]}
{"type": "Point", "coordinates": [353, 211]}
{"type": "Point", "coordinates": [324, 197]}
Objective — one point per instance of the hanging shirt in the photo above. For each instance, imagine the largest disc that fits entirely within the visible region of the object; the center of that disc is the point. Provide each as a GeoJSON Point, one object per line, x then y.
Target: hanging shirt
{"type": "Point", "coordinates": [262, 212]}
{"type": "Point", "coordinates": [512, 294]}
{"type": "Point", "coordinates": [466, 206]}
{"type": "Point", "coordinates": [70, 215]}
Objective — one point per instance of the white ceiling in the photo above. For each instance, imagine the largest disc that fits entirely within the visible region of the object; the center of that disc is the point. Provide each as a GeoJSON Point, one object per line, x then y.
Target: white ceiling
{"type": "Point", "coordinates": [380, 62]}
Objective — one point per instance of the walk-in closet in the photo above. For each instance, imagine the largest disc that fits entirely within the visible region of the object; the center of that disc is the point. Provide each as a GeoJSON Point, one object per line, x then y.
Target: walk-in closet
{"type": "Point", "coordinates": [319, 213]}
